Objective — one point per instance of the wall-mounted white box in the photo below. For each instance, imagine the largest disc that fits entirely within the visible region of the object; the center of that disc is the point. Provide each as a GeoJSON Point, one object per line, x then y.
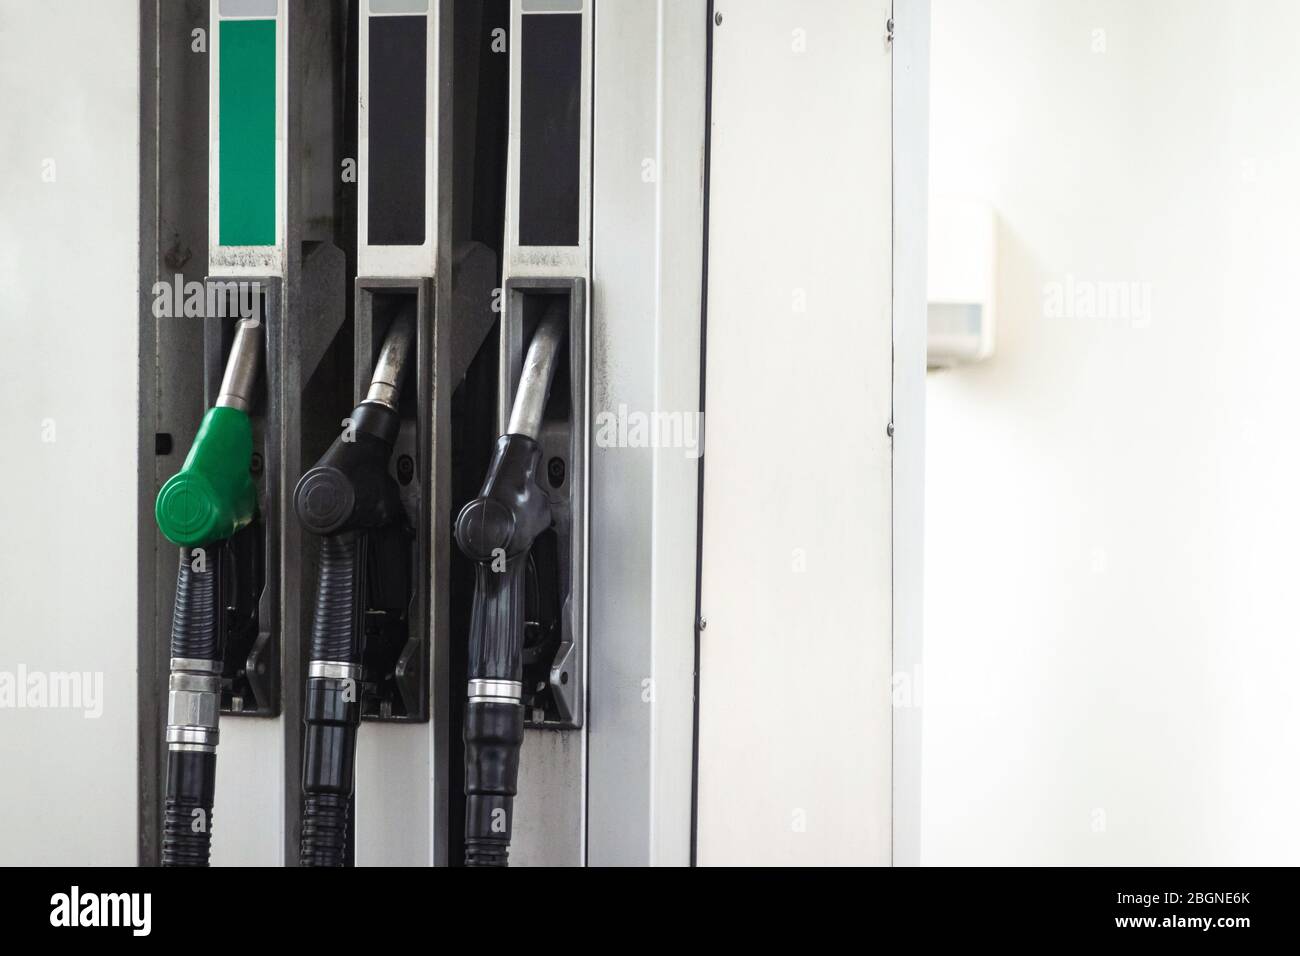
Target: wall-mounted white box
{"type": "Point", "coordinates": [962, 281]}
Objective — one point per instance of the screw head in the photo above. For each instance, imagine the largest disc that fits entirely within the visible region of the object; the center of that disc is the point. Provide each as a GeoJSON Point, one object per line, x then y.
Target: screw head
{"type": "Point", "coordinates": [555, 472]}
{"type": "Point", "coordinates": [703, 623]}
{"type": "Point", "coordinates": [405, 469]}
{"type": "Point", "coordinates": [717, 19]}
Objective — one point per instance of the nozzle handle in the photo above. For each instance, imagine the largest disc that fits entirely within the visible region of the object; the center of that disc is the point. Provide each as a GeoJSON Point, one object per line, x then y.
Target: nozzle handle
{"type": "Point", "coordinates": [213, 494]}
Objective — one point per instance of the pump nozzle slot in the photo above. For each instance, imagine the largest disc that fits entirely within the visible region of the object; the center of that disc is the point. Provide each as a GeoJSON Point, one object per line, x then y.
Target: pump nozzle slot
{"type": "Point", "coordinates": [242, 362]}
{"type": "Point", "coordinates": [497, 531]}
{"type": "Point", "coordinates": [211, 499]}
{"type": "Point", "coordinates": [555, 589]}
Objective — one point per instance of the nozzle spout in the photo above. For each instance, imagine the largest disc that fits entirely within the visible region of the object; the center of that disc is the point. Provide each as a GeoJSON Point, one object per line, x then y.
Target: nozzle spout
{"type": "Point", "coordinates": [539, 370]}
{"type": "Point", "coordinates": [394, 360]}
{"type": "Point", "coordinates": [241, 367]}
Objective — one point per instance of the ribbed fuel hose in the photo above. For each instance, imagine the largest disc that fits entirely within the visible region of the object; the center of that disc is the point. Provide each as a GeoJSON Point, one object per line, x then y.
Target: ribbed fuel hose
{"type": "Point", "coordinates": [194, 698]}
{"type": "Point", "coordinates": [333, 703]}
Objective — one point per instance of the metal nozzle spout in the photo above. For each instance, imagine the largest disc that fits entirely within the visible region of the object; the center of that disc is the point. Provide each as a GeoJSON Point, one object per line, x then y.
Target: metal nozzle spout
{"type": "Point", "coordinates": [241, 367]}
{"type": "Point", "coordinates": [394, 359]}
{"type": "Point", "coordinates": [539, 370]}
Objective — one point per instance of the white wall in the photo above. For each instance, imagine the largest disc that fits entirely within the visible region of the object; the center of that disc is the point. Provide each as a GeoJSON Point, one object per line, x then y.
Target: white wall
{"type": "Point", "coordinates": [68, 321]}
{"type": "Point", "coordinates": [1111, 649]}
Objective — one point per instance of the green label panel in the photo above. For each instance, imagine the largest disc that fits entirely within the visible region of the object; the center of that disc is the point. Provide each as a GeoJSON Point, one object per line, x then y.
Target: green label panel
{"type": "Point", "coordinates": [247, 133]}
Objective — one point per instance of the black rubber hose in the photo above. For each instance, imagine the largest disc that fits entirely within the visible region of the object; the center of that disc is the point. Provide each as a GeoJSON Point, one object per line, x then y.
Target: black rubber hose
{"type": "Point", "coordinates": [494, 731]}
{"type": "Point", "coordinates": [192, 775]}
{"type": "Point", "coordinates": [336, 601]}
{"type": "Point", "coordinates": [187, 818]}
{"type": "Point", "coordinates": [194, 617]}
{"type": "Point", "coordinates": [333, 705]}
{"type": "Point", "coordinates": [496, 628]}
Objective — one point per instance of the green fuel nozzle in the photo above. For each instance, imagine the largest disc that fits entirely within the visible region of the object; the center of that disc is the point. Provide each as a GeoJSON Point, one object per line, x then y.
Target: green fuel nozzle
{"type": "Point", "coordinates": [213, 495]}
{"type": "Point", "coordinates": [203, 504]}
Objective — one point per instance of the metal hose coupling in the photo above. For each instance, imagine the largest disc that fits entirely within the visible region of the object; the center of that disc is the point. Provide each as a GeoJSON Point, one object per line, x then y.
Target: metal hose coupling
{"type": "Point", "coordinates": [193, 705]}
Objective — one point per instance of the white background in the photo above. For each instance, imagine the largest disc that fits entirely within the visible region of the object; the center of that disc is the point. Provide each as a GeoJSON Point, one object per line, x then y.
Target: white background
{"type": "Point", "coordinates": [1111, 662]}
{"type": "Point", "coordinates": [68, 337]}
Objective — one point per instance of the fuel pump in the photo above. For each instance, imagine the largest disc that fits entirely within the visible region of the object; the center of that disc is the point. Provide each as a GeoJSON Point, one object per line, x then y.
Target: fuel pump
{"type": "Point", "coordinates": [496, 531]}
{"type": "Point", "coordinates": [352, 503]}
{"type": "Point", "coordinates": [200, 508]}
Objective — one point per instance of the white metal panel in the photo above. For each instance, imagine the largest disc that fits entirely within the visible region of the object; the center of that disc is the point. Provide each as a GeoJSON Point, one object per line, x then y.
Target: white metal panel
{"type": "Point", "coordinates": [69, 235]}
{"type": "Point", "coordinates": [647, 236]}
{"type": "Point", "coordinates": [396, 790]}
{"type": "Point", "coordinates": [795, 721]}
{"type": "Point", "coordinates": [247, 809]}
{"type": "Point", "coordinates": [403, 261]}
{"type": "Point", "coordinates": [548, 260]}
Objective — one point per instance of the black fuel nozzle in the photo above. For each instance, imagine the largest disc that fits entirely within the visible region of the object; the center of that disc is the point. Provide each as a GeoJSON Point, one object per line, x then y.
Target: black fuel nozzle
{"type": "Point", "coordinates": [345, 498]}
{"type": "Point", "coordinates": [496, 531]}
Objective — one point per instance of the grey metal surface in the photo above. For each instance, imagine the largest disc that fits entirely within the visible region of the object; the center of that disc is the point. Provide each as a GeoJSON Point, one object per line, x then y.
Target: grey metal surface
{"type": "Point", "coordinates": [173, 242]}
{"type": "Point", "coordinates": [399, 6]}
{"type": "Point", "coordinates": [247, 8]}
{"type": "Point", "coordinates": [413, 443]}
{"type": "Point", "coordinates": [321, 304]}
{"type": "Point", "coordinates": [198, 664]}
{"type": "Point", "coordinates": [315, 291]}
{"type": "Point", "coordinates": [504, 689]}
{"type": "Point", "coordinates": [337, 670]}
{"type": "Point", "coordinates": [148, 722]}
